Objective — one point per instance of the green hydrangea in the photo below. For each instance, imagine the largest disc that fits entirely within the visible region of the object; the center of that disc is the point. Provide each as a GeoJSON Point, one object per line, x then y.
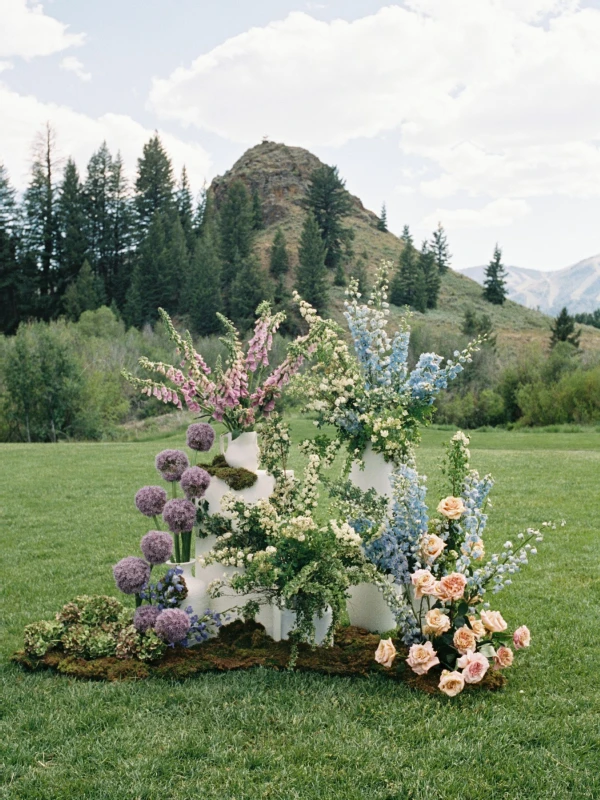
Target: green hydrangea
{"type": "Point", "coordinates": [127, 643]}
{"type": "Point", "coordinates": [100, 644]}
{"type": "Point", "coordinates": [42, 636]}
{"type": "Point", "coordinates": [150, 646]}
{"type": "Point", "coordinates": [74, 640]}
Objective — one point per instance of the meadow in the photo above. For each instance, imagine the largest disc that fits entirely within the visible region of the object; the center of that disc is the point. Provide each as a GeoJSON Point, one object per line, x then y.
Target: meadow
{"type": "Point", "coordinates": [68, 515]}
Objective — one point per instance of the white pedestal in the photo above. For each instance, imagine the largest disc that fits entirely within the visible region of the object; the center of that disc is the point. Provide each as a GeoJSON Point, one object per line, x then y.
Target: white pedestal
{"type": "Point", "coordinates": [263, 488]}
{"type": "Point", "coordinates": [376, 473]}
{"type": "Point", "coordinates": [283, 622]}
{"type": "Point", "coordinates": [367, 609]}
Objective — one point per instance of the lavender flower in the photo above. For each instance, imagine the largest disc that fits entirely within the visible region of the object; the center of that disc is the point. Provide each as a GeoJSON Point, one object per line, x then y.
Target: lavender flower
{"type": "Point", "coordinates": [131, 574]}
{"type": "Point", "coordinates": [172, 625]}
{"type": "Point", "coordinates": [200, 436]}
{"type": "Point", "coordinates": [194, 482]}
{"type": "Point", "coordinates": [171, 464]}
{"type": "Point", "coordinates": [157, 547]}
{"type": "Point", "coordinates": [179, 515]}
{"type": "Point", "coordinates": [145, 617]}
{"type": "Point", "coordinates": [150, 500]}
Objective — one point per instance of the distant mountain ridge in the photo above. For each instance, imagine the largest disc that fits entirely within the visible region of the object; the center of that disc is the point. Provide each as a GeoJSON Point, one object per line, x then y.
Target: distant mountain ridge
{"type": "Point", "coordinates": [576, 287]}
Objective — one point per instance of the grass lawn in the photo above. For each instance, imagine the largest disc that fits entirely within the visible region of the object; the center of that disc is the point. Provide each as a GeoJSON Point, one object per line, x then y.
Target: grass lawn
{"type": "Point", "coordinates": [68, 515]}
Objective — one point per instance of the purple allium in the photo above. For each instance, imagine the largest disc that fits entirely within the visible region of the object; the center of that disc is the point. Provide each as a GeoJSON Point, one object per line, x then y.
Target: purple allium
{"type": "Point", "coordinates": [194, 482]}
{"type": "Point", "coordinates": [157, 546]}
{"type": "Point", "coordinates": [172, 625]}
{"type": "Point", "coordinates": [179, 515]}
{"type": "Point", "coordinates": [131, 574]}
{"type": "Point", "coordinates": [200, 436]}
{"type": "Point", "coordinates": [171, 464]}
{"type": "Point", "coordinates": [150, 500]}
{"type": "Point", "coordinates": [145, 617]}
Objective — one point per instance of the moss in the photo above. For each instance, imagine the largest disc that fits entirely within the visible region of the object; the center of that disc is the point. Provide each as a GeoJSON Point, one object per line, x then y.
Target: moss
{"type": "Point", "coordinates": [237, 478]}
{"type": "Point", "coordinates": [243, 645]}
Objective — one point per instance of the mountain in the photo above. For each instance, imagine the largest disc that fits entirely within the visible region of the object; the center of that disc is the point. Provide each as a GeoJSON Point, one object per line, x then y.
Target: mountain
{"type": "Point", "coordinates": [280, 175]}
{"type": "Point", "coordinates": [576, 287]}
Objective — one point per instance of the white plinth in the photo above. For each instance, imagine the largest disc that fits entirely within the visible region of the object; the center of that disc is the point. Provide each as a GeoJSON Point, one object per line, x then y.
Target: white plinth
{"type": "Point", "coordinates": [263, 488]}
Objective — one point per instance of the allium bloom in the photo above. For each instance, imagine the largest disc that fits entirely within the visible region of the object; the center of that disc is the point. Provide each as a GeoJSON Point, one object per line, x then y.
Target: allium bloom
{"type": "Point", "coordinates": [150, 500]}
{"type": "Point", "coordinates": [194, 482]}
{"type": "Point", "coordinates": [451, 683]}
{"type": "Point", "coordinates": [385, 653]}
{"type": "Point", "coordinates": [145, 617]}
{"type": "Point", "coordinates": [422, 657]}
{"type": "Point", "coordinates": [171, 464]}
{"type": "Point", "coordinates": [172, 625]}
{"type": "Point", "coordinates": [522, 637]}
{"type": "Point", "coordinates": [157, 547]}
{"type": "Point", "coordinates": [131, 574]}
{"type": "Point", "coordinates": [200, 436]}
{"type": "Point", "coordinates": [179, 515]}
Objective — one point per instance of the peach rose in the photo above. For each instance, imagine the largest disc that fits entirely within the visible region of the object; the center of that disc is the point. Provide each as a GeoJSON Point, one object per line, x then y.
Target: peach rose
{"type": "Point", "coordinates": [493, 621]}
{"type": "Point", "coordinates": [451, 587]}
{"type": "Point", "coordinates": [436, 622]}
{"type": "Point", "coordinates": [432, 547]}
{"type": "Point", "coordinates": [422, 657]}
{"type": "Point", "coordinates": [477, 627]}
{"type": "Point", "coordinates": [504, 657]}
{"type": "Point", "coordinates": [473, 665]}
{"type": "Point", "coordinates": [464, 639]}
{"type": "Point", "coordinates": [385, 653]}
{"type": "Point", "coordinates": [424, 583]}
{"type": "Point", "coordinates": [522, 637]}
{"type": "Point", "coordinates": [451, 507]}
{"type": "Point", "coordinates": [451, 683]}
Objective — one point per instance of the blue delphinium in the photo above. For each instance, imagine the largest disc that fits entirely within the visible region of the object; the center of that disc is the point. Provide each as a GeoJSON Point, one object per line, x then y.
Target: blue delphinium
{"type": "Point", "coordinates": [200, 627]}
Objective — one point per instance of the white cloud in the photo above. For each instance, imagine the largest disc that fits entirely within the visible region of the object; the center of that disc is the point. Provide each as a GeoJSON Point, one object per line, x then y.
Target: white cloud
{"type": "Point", "coordinates": [26, 31]}
{"type": "Point", "coordinates": [74, 65]}
{"type": "Point", "coordinates": [499, 97]}
{"type": "Point", "coordinates": [79, 136]}
{"type": "Point", "coordinates": [496, 214]}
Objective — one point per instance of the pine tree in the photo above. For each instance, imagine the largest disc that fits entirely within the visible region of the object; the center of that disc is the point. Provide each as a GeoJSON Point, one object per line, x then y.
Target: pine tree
{"type": "Point", "coordinates": [8, 206]}
{"type": "Point", "coordinates": [11, 284]}
{"type": "Point", "coordinates": [431, 274]}
{"type": "Point", "coordinates": [408, 283]}
{"type": "Point", "coordinates": [73, 244]}
{"type": "Point", "coordinates": [151, 282]}
{"type": "Point", "coordinates": [203, 289]}
{"type": "Point", "coordinates": [257, 210]}
{"type": "Point", "coordinates": [359, 273]}
{"type": "Point", "coordinates": [122, 231]}
{"type": "Point", "coordinates": [495, 284]}
{"type": "Point", "coordinates": [248, 290]}
{"type": "Point", "coordinates": [563, 330]}
{"type": "Point", "coordinates": [382, 221]}
{"type": "Point", "coordinates": [439, 246]}
{"type": "Point", "coordinates": [185, 208]}
{"type": "Point", "coordinates": [311, 275]}
{"type": "Point", "coordinates": [329, 202]}
{"type": "Point", "coordinates": [154, 185]}
{"type": "Point", "coordinates": [279, 260]}
{"type": "Point", "coordinates": [236, 224]}
{"type": "Point", "coordinates": [85, 293]}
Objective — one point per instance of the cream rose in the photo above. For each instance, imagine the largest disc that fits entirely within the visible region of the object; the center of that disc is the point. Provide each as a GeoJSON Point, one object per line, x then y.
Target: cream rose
{"type": "Point", "coordinates": [522, 637]}
{"type": "Point", "coordinates": [422, 657]}
{"type": "Point", "coordinates": [451, 507]}
{"type": "Point", "coordinates": [473, 665]}
{"type": "Point", "coordinates": [385, 653]}
{"type": "Point", "coordinates": [436, 622]}
{"type": "Point", "coordinates": [451, 683]}
{"type": "Point", "coordinates": [478, 628]}
{"type": "Point", "coordinates": [450, 587]}
{"type": "Point", "coordinates": [493, 621]}
{"type": "Point", "coordinates": [504, 657]}
{"type": "Point", "coordinates": [432, 547]}
{"type": "Point", "coordinates": [424, 583]}
{"type": "Point", "coordinates": [464, 639]}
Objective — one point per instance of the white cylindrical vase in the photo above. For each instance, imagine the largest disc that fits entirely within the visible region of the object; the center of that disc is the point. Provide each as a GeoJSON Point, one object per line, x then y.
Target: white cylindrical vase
{"type": "Point", "coordinates": [242, 451]}
{"type": "Point", "coordinates": [283, 622]}
{"type": "Point", "coordinates": [368, 609]}
{"type": "Point", "coordinates": [372, 472]}
{"type": "Point", "coordinates": [197, 596]}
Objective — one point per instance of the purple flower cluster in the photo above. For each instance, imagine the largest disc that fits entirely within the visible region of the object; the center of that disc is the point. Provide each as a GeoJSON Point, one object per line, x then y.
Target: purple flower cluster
{"type": "Point", "coordinates": [145, 617]}
{"type": "Point", "coordinates": [200, 436]}
{"type": "Point", "coordinates": [171, 464]}
{"type": "Point", "coordinates": [150, 500]}
{"type": "Point", "coordinates": [172, 625]}
{"type": "Point", "coordinates": [194, 482]}
{"type": "Point", "coordinates": [179, 515]}
{"type": "Point", "coordinates": [131, 574]}
{"type": "Point", "coordinates": [157, 547]}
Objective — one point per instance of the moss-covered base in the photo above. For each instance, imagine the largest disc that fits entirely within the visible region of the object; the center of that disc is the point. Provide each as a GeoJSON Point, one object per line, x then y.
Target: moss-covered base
{"type": "Point", "coordinates": [237, 478]}
{"type": "Point", "coordinates": [242, 645]}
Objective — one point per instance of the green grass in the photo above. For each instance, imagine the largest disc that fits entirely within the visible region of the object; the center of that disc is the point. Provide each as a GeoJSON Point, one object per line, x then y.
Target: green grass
{"type": "Point", "coordinates": [68, 515]}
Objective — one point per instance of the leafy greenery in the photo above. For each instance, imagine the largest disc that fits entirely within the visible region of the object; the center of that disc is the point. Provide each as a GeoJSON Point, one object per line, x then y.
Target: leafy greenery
{"type": "Point", "coordinates": [563, 330]}
{"type": "Point", "coordinates": [494, 290]}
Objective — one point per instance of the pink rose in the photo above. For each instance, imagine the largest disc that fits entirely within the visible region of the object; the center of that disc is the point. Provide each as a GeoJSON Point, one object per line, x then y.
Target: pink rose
{"type": "Point", "coordinates": [451, 507]}
{"type": "Point", "coordinates": [504, 657]}
{"type": "Point", "coordinates": [424, 583]}
{"type": "Point", "coordinates": [464, 639]}
{"type": "Point", "coordinates": [385, 653]}
{"type": "Point", "coordinates": [473, 665]}
{"type": "Point", "coordinates": [432, 547]}
{"type": "Point", "coordinates": [451, 587]}
{"type": "Point", "coordinates": [493, 621]}
{"type": "Point", "coordinates": [522, 637]}
{"type": "Point", "coordinates": [451, 683]}
{"type": "Point", "coordinates": [477, 627]}
{"type": "Point", "coordinates": [422, 657]}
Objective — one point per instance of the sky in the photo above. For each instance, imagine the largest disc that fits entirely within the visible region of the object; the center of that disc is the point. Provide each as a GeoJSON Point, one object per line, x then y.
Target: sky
{"type": "Point", "coordinates": [481, 114]}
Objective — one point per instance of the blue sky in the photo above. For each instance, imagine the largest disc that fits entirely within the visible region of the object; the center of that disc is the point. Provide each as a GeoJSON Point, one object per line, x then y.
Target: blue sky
{"type": "Point", "coordinates": [483, 114]}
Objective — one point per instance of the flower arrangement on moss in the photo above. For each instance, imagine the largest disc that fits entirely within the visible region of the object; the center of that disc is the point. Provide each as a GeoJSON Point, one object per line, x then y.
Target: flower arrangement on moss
{"type": "Point", "coordinates": [369, 395]}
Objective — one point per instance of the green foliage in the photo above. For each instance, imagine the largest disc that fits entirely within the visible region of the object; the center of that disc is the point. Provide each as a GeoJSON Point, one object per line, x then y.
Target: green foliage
{"type": "Point", "coordinates": [279, 260]}
{"type": "Point", "coordinates": [73, 243]}
{"type": "Point", "coordinates": [592, 319]}
{"type": "Point", "coordinates": [257, 210]}
{"type": "Point", "coordinates": [311, 275]}
{"type": "Point", "coordinates": [248, 290]}
{"type": "Point", "coordinates": [202, 299]}
{"type": "Point", "coordinates": [382, 221]}
{"type": "Point", "coordinates": [185, 209]}
{"type": "Point", "coordinates": [495, 284]}
{"type": "Point", "coordinates": [85, 293]}
{"type": "Point", "coordinates": [478, 325]}
{"type": "Point", "coordinates": [431, 275]}
{"type": "Point", "coordinates": [408, 286]}
{"type": "Point", "coordinates": [439, 246]}
{"type": "Point", "coordinates": [329, 202]}
{"type": "Point", "coordinates": [563, 330]}
{"type": "Point", "coordinates": [236, 222]}
{"type": "Point", "coordinates": [237, 478]}
{"type": "Point", "coordinates": [154, 185]}
{"type": "Point", "coordinates": [359, 273]}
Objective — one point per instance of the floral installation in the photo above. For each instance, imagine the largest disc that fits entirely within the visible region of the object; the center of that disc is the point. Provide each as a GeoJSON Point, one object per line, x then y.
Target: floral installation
{"type": "Point", "coordinates": [369, 395]}
{"type": "Point", "coordinates": [447, 619]}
